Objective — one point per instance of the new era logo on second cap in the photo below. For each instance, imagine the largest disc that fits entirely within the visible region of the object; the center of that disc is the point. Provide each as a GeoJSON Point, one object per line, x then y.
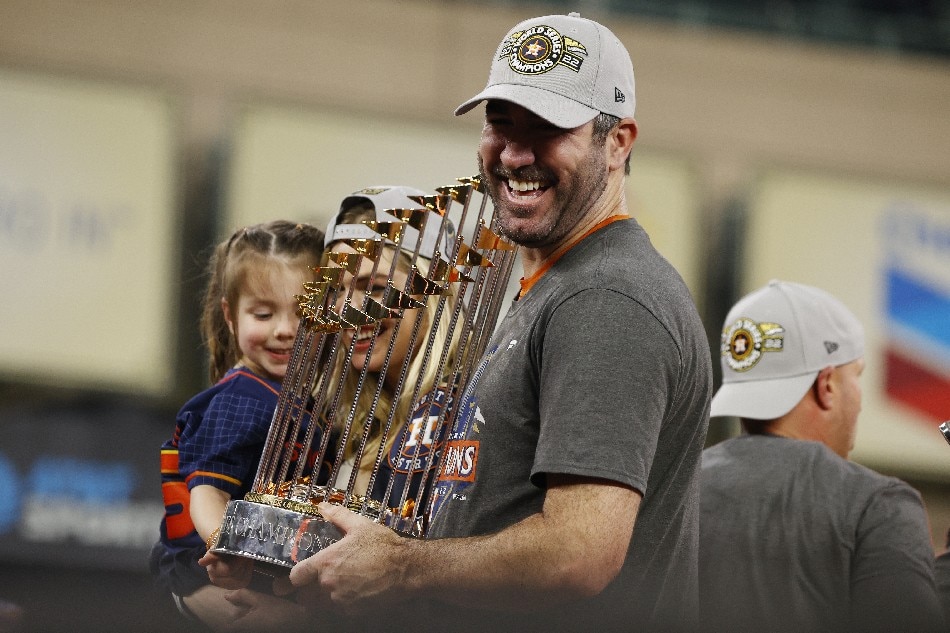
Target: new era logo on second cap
{"type": "Point", "coordinates": [831, 346]}
{"type": "Point", "coordinates": [618, 96]}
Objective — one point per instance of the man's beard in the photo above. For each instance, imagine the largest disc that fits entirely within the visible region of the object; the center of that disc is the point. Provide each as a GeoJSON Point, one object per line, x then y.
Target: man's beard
{"type": "Point", "coordinates": [587, 185]}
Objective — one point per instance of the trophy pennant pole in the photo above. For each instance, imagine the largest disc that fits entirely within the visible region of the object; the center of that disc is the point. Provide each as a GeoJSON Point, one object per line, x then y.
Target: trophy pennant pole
{"type": "Point", "coordinates": [462, 255]}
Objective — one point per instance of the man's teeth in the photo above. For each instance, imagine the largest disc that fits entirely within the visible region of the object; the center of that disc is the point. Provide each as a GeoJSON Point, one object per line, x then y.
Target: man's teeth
{"type": "Point", "coordinates": [362, 336]}
{"type": "Point", "coordinates": [528, 185]}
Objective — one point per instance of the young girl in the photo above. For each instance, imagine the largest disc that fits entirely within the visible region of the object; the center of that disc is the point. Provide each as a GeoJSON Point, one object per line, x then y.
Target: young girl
{"type": "Point", "coordinates": [249, 323]}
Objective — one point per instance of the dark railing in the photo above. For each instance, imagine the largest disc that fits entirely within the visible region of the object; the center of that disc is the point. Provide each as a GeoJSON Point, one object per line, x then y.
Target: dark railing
{"type": "Point", "coordinates": [899, 26]}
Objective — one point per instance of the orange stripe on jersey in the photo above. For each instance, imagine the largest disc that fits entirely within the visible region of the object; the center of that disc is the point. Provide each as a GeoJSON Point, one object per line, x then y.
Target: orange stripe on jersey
{"type": "Point", "coordinates": [169, 462]}
{"type": "Point", "coordinates": [178, 522]}
{"type": "Point", "coordinates": [204, 473]}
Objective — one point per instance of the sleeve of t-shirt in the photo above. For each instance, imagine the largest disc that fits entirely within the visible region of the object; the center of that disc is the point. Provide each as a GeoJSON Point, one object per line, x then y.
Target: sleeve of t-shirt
{"type": "Point", "coordinates": [607, 369]}
{"type": "Point", "coordinates": [225, 449]}
{"type": "Point", "coordinates": [892, 579]}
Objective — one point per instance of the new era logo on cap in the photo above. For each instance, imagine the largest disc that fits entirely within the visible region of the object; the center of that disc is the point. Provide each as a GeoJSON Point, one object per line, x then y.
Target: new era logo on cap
{"type": "Point", "coordinates": [618, 96]}
{"type": "Point", "coordinates": [831, 347]}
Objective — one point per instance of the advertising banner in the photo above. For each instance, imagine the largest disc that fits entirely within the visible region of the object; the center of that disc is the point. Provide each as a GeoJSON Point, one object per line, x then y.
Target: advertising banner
{"type": "Point", "coordinates": [87, 247]}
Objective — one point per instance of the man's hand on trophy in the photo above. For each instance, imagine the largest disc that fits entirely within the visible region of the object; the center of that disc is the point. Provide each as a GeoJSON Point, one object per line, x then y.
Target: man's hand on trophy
{"type": "Point", "coordinates": [363, 566]}
{"type": "Point", "coordinates": [228, 572]}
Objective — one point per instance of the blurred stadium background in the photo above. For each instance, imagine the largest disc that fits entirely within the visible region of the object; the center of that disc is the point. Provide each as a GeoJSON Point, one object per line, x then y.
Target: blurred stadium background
{"type": "Point", "coordinates": [804, 140]}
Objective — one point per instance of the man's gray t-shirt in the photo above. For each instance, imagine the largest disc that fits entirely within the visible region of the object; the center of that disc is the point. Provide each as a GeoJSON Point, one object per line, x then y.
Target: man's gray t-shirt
{"type": "Point", "coordinates": [602, 370]}
{"type": "Point", "coordinates": [795, 538]}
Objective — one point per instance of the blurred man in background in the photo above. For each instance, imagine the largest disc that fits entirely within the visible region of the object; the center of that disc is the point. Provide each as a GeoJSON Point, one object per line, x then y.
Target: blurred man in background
{"type": "Point", "coordinates": [793, 536]}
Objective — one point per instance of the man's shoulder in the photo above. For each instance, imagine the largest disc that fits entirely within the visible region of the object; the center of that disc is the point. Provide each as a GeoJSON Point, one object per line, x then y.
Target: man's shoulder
{"type": "Point", "coordinates": [876, 482]}
{"type": "Point", "coordinates": [765, 452]}
{"type": "Point", "coordinates": [812, 461]}
{"type": "Point", "coordinates": [620, 258]}
{"type": "Point", "coordinates": [823, 459]}
{"type": "Point", "coordinates": [626, 243]}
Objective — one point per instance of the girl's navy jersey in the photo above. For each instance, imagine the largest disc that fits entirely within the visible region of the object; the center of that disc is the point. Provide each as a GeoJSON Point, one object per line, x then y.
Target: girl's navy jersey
{"type": "Point", "coordinates": [218, 440]}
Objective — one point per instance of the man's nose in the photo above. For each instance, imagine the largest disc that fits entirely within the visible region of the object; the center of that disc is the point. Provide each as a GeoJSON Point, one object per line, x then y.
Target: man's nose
{"type": "Point", "coordinates": [517, 153]}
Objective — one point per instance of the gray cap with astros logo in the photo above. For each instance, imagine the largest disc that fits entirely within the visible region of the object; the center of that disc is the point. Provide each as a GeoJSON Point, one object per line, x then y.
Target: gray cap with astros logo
{"type": "Point", "coordinates": [775, 341]}
{"type": "Point", "coordinates": [564, 68]}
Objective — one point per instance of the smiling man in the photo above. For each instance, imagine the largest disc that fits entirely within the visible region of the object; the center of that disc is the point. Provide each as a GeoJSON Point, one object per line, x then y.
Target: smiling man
{"type": "Point", "coordinates": [574, 502]}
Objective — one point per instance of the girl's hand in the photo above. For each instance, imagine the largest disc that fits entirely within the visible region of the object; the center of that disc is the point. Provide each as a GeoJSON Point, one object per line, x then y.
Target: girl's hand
{"type": "Point", "coordinates": [228, 572]}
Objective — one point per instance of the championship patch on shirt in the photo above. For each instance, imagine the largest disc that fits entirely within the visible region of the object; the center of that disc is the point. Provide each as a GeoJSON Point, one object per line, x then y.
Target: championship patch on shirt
{"type": "Point", "coordinates": [461, 461]}
{"type": "Point", "coordinates": [744, 342]}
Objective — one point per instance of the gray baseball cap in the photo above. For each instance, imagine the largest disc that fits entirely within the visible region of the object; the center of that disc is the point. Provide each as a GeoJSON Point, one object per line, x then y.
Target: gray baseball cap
{"type": "Point", "coordinates": [386, 198]}
{"type": "Point", "coordinates": [564, 68]}
{"type": "Point", "coordinates": [775, 341]}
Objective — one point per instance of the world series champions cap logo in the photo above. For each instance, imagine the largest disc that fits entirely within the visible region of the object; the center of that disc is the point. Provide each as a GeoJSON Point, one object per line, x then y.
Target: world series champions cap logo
{"type": "Point", "coordinates": [744, 342]}
{"type": "Point", "coordinates": [541, 48]}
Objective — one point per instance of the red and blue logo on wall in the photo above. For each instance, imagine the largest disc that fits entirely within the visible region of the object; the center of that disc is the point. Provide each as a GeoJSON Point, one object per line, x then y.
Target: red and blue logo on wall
{"type": "Point", "coordinates": [917, 312]}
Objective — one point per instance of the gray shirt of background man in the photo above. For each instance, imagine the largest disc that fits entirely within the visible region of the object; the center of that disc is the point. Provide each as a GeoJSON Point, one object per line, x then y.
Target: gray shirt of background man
{"type": "Point", "coordinates": [942, 579]}
{"type": "Point", "coordinates": [795, 538]}
{"type": "Point", "coordinates": [602, 370]}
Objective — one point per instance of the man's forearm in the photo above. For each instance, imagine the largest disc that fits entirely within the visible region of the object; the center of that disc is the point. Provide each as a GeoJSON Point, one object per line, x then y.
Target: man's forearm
{"type": "Point", "coordinates": [556, 555]}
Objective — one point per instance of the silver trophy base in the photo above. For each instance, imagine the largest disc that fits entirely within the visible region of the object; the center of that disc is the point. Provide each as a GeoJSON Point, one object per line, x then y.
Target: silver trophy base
{"type": "Point", "coordinates": [271, 534]}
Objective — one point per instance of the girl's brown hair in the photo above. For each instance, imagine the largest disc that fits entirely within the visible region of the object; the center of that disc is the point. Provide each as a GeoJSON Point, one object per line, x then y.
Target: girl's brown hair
{"type": "Point", "coordinates": [227, 272]}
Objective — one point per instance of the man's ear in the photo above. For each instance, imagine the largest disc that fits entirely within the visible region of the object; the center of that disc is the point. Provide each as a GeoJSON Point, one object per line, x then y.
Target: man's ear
{"type": "Point", "coordinates": [824, 388]}
{"type": "Point", "coordinates": [621, 140]}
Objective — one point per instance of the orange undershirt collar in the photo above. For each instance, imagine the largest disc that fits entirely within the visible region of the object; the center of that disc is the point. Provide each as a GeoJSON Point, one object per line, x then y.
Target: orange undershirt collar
{"type": "Point", "coordinates": [527, 284]}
